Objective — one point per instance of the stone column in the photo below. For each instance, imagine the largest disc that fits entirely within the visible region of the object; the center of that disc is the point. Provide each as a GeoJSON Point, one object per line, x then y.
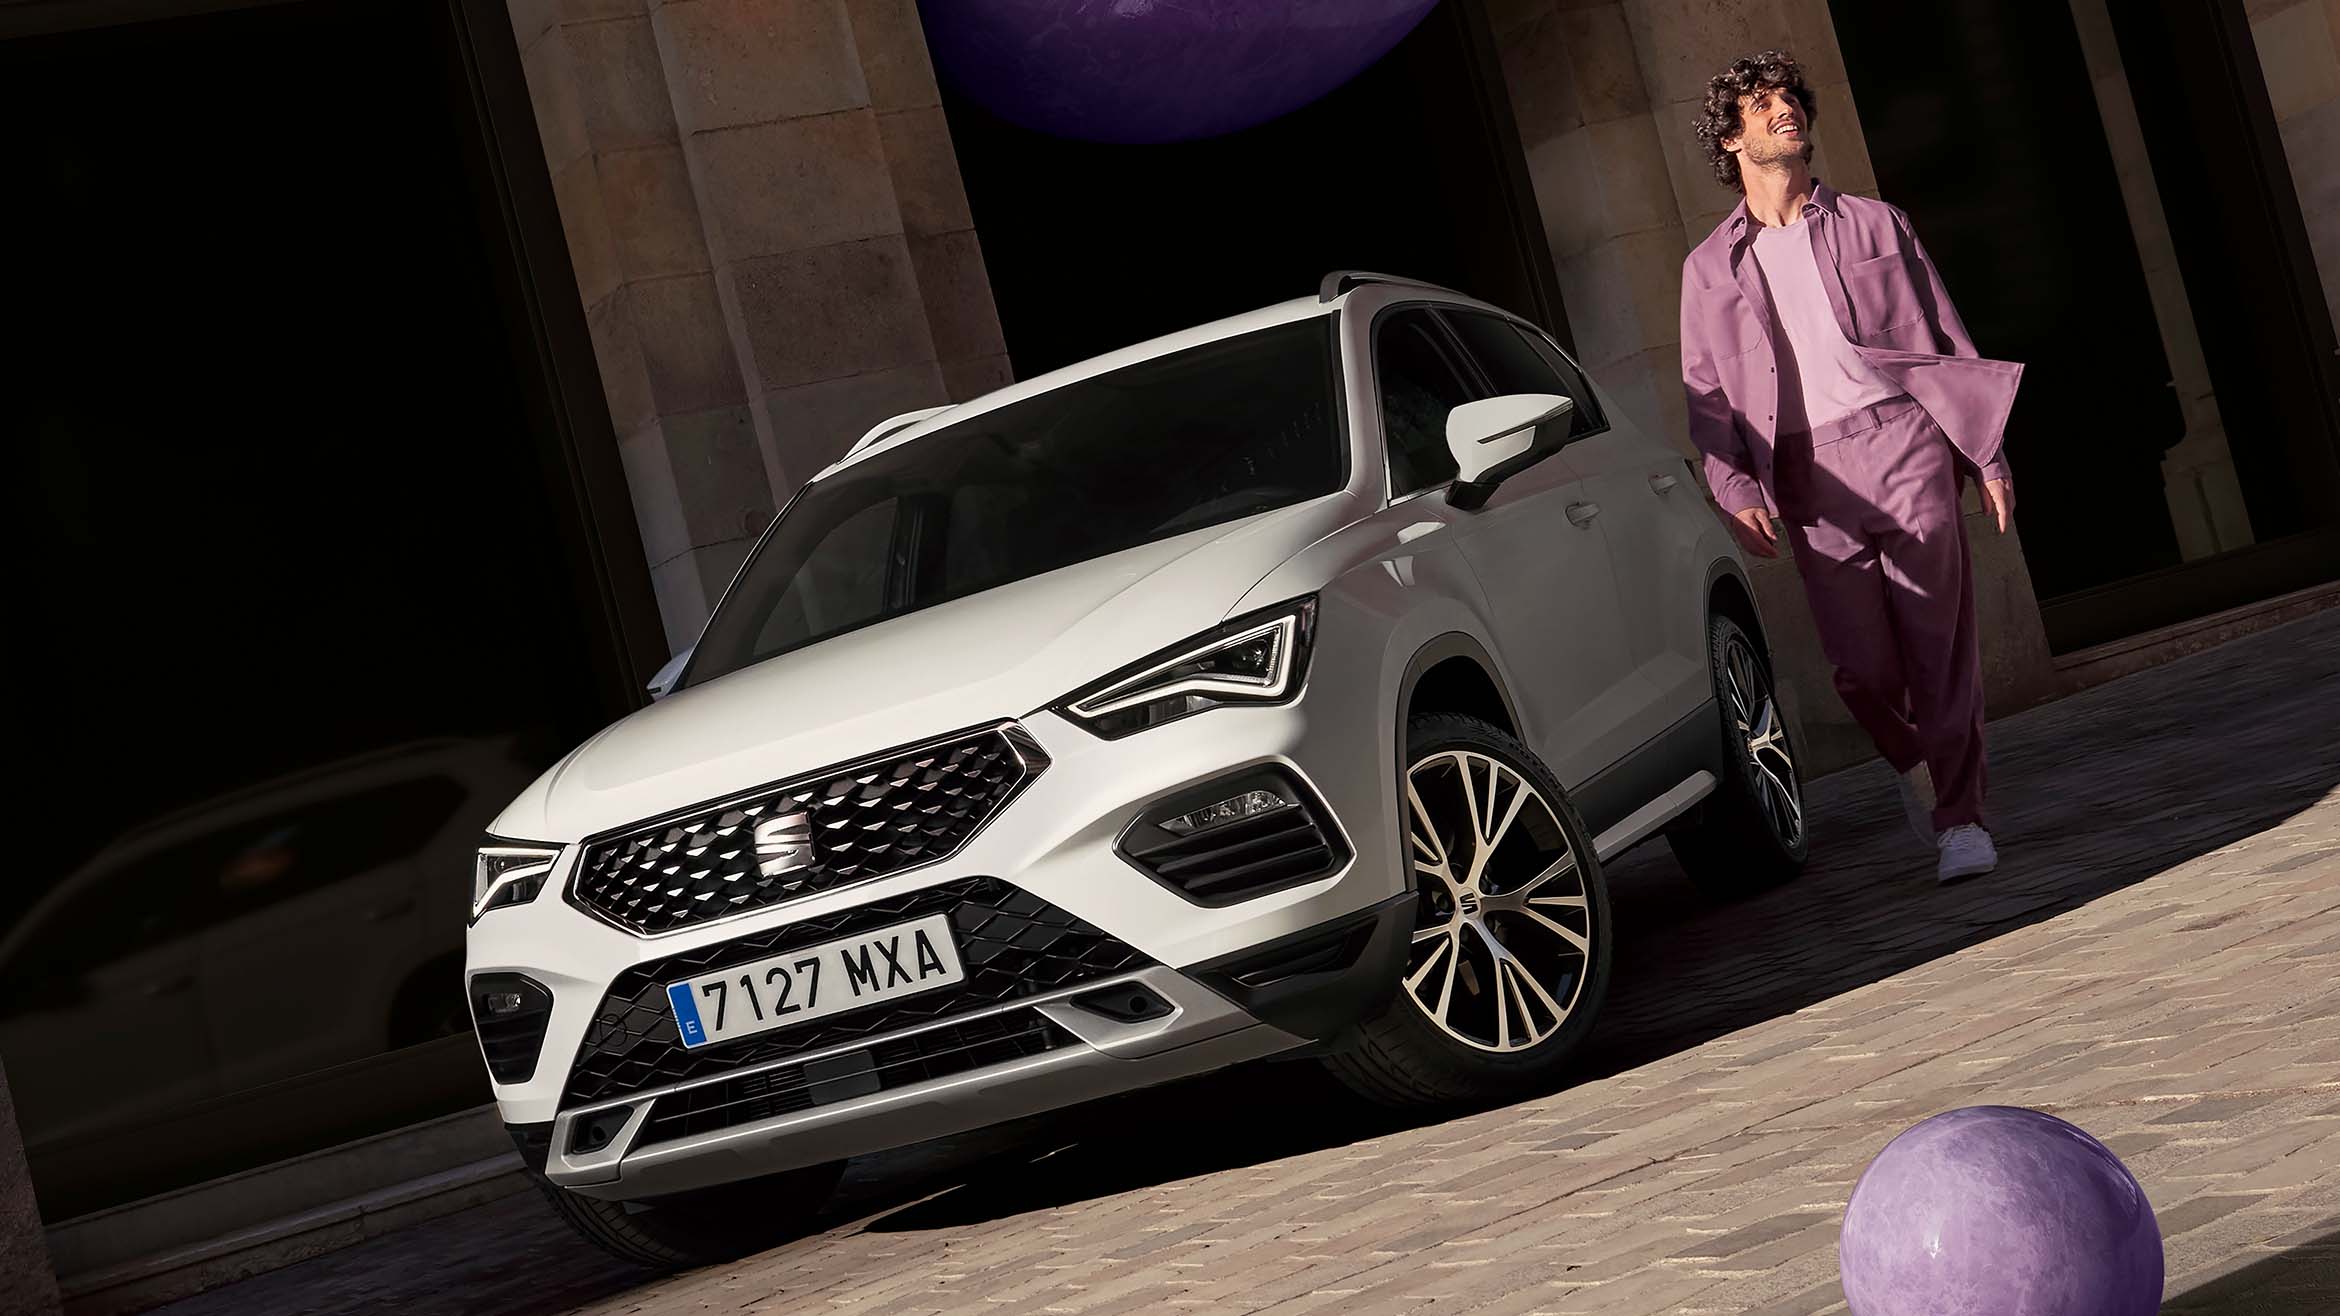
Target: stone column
{"type": "Point", "coordinates": [2205, 499]}
{"type": "Point", "coordinates": [1605, 93]}
{"type": "Point", "coordinates": [2298, 43]}
{"type": "Point", "coordinates": [701, 480]}
{"type": "Point", "coordinates": [28, 1282]}
{"type": "Point", "coordinates": [772, 245]}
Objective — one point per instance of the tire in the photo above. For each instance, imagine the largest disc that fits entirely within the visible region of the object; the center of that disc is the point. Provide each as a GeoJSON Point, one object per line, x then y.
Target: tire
{"type": "Point", "coordinates": [701, 1228]}
{"type": "Point", "coordinates": [1737, 842]}
{"type": "Point", "coordinates": [1405, 1057]}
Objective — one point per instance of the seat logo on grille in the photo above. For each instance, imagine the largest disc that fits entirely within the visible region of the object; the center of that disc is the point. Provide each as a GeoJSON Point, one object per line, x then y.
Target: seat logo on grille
{"type": "Point", "coordinates": [784, 843]}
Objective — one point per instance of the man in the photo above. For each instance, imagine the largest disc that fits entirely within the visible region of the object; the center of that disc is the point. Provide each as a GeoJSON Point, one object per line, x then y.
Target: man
{"type": "Point", "coordinates": [1838, 400]}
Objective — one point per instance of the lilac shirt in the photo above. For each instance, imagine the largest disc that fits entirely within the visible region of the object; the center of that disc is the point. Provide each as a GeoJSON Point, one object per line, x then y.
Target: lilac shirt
{"type": "Point", "coordinates": [1888, 300]}
{"type": "Point", "coordinates": [1821, 377]}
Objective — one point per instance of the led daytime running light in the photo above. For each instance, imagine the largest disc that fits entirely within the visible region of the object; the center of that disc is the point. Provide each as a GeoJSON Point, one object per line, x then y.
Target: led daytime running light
{"type": "Point", "coordinates": [508, 875]}
{"type": "Point", "coordinates": [1281, 635]}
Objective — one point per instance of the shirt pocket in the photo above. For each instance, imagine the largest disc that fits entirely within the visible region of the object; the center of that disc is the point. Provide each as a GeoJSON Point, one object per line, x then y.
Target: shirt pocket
{"type": "Point", "coordinates": [1734, 327]}
{"type": "Point", "coordinates": [1884, 293]}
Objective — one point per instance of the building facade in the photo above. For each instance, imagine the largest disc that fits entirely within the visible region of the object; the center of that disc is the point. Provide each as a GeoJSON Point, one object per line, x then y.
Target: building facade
{"type": "Point", "coordinates": [776, 248]}
{"type": "Point", "coordinates": [478, 342]}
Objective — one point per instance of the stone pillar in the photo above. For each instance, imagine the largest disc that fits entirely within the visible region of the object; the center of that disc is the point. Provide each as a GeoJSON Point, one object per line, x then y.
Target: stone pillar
{"type": "Point", "coordinates": [28, 1282]}
{"type": "Point", "coordinates": [1604, 94]}
{"type": "Point", "coordinates": [772, 246]}
{"type": "Point", "coordinates": [2205, 498]}
{"type": "Point", "coordinates": [2298, 45]}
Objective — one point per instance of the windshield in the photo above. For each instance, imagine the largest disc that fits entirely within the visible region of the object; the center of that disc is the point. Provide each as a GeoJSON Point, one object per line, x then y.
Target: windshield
{"type": "Point", "coordinates": [1169, 445]}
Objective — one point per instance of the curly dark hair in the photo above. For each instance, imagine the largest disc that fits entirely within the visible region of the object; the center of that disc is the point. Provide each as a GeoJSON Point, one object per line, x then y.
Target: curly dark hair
{"type": "Point", "coordinates": [1772, 70]}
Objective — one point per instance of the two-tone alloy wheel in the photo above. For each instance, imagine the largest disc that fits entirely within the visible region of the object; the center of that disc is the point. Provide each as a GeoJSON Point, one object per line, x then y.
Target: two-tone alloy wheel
{"type": "Point", "coordinates": [1750, 833]}
{"type": "Point", "coordinates": [1510, 952]}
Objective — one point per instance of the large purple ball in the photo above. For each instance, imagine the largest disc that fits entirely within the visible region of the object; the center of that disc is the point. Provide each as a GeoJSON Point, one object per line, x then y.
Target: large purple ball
{"type": "Point", "coordinates": [1157, 70]}
{"type": "Point", "coordinates": [1999, 1211]}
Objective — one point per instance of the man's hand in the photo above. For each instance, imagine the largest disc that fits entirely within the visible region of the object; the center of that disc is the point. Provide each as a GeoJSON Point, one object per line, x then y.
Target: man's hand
{"type": "Point", "coordinates": [1999, 496]}
{"type": "Point", "coordinates": [1753, 529]}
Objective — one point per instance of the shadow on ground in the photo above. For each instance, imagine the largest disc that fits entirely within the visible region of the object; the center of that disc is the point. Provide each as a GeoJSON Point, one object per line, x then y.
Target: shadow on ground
{"type": "Point", "coordinates": [2303, 1281]}
{"type": "Point", "coordinates": [2091, 793]}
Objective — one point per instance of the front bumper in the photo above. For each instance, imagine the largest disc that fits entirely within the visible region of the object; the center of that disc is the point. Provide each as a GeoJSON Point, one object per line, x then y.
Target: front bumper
{"type": "Point", "coordinates": [1228, 974]}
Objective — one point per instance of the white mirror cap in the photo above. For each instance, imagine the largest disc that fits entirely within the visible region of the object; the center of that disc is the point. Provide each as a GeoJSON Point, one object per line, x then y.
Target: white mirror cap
{"type": "Point", "coordinates": [662, 684]}
{"type": "Point", "coordinates": [1489, 431]}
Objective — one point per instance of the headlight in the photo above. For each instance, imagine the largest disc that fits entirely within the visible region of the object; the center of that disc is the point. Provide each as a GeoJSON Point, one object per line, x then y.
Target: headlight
{"type": "Point", "coordinates": [1258, 659]}
{"type": "Point", "coordinates": [509, 873]}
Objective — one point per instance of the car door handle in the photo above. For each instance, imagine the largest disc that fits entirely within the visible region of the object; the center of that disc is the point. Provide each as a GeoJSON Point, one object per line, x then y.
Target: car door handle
{"type": "Point", "coordinates": [1583, 513]}
{"type": "Point", "coordinates": [166, 987]}
{"type": "Point", "coordinates": [1663, 483]}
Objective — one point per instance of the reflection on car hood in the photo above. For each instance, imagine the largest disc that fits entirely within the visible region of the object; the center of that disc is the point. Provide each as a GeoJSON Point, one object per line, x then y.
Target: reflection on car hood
{"type": "Point", "coordinates": [993, 656]}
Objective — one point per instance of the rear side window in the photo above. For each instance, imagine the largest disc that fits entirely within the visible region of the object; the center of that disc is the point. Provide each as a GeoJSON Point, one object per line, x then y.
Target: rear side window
{"type": "Point", "coordinates": [1518, 361]}
{"type": "Point", "coordinates": [1421, 381]}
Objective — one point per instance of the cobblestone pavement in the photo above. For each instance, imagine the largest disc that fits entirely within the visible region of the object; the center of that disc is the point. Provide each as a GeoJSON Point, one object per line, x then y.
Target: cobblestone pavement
{"type": "Point", "coordinates": [2157, 959]}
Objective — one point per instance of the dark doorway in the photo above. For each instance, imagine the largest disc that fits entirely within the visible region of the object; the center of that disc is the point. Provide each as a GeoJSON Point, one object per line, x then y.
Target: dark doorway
{"type": "Point", "coordinates": [1413, 168]}
{"type": "Point", "coordinates": [1982, 124]}
{"type": "Point", "coordinates": [320, 571]}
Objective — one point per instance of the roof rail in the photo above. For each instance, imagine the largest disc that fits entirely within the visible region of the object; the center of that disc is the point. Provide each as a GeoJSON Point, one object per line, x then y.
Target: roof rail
{"type": "Point", "coordinates": [1341, 281]}
{"type": "Point", "coordinates": [895, 425]}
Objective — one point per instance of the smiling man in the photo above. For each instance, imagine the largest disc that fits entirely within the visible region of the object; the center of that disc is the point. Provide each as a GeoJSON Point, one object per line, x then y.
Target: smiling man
{"type": "Point", "coordinates": [1838, 401]}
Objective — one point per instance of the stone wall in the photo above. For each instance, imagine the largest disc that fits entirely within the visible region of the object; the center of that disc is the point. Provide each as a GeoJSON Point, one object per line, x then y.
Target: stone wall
{"type": "Point", "coordinates": [1604, 94]}
{"type": "Point", "coordinates": [2299, 54]}
{"type": "Point", "coordinates": [771, 243]}
{"type": "Point", "coordinates": [28, 1284]}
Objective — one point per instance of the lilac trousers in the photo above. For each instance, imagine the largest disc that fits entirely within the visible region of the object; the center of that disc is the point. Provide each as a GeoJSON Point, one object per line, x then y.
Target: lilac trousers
{"type": "Point", "coordinates": [1870, 507]}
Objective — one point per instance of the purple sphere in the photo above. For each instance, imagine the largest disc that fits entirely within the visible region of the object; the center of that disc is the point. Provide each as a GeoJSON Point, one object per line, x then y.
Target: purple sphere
{"type": "Point", "coordinates": [1137, 71]}
{"type": "Point", "coordinates": [1999, 1211]}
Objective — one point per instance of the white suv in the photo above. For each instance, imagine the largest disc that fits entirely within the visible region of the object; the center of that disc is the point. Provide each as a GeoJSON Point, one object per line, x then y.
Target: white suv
{"type": "Point", "coordinates": [1276, 686]}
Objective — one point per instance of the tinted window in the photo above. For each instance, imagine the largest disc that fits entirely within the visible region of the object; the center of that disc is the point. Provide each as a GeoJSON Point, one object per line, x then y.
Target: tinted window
{"type": "Point", "coordinates": [1177, 443]}
{"type": "Point", "coordinates": [1421, 381]}
{"type": "Point", "coordinates": [1517, 361]}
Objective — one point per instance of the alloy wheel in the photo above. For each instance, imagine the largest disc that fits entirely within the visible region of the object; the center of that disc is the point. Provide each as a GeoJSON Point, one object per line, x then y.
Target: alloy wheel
{"type": "Point", "coordinates": [1763, 739]}
{"type": "Point", "coordinates": [1503, 941]}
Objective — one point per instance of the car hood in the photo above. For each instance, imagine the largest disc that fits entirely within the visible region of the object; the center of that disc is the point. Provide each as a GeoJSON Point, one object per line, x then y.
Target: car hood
{"type": "Point", "coordinates": [989, 657]}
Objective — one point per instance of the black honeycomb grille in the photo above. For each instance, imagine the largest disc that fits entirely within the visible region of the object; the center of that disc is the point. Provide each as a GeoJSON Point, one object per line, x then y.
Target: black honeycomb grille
{"type": "Point", "coordinates": [1013, 944]}
{"type": "Point", "coordinates": [834, 827]}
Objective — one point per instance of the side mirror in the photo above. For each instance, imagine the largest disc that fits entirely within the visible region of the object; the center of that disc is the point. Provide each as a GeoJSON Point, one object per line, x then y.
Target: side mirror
{"type": "Point", "coordinates": [662, 684]}
{"type": "Point", "coordinates": [1495, 438]}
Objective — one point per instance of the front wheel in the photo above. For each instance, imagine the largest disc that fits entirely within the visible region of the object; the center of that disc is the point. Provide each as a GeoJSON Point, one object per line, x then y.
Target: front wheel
{"type": "Point", "coordinates": [1749, 834]}
{"type": "Point", "coordinates": [1510, 953]}
{"type": "Point", "coordinates": [701, 1228]}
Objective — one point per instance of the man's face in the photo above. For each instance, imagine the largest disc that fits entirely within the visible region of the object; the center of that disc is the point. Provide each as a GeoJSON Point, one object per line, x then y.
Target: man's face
{"type": "Point", "coordinates": [1772, 128]}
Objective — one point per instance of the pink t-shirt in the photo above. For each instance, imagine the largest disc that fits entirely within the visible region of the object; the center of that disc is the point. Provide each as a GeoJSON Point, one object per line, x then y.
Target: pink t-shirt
{"type": "Point", "coordinates": [1821, 377]}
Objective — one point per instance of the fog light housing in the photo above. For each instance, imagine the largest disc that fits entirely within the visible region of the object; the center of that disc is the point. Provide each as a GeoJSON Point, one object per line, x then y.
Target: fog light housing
{"type": "Point", "coordinates": [510, 1013]}
{"type": "Point", "coordinates": [1250, 804]}
{"type": "Point", "coordinates": [1236, 838]}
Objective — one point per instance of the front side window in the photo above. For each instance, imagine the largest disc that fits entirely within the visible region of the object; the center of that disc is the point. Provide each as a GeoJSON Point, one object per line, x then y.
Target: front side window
{"type": "Point", "coordinates": [1516, 360]}
{"type": "Point", "coordinates": [1421, 382]}
{"type": "Point", "coordinates": [1170, 445]}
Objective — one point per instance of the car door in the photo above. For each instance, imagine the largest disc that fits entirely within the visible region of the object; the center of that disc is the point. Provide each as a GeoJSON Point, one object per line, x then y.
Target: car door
{"type": "Point", "coordinates": [101, 1008]}
{"type": "Point", "coordinates": [1545, 574]}
{"type": "Point", "coordinates": [1642, 490]}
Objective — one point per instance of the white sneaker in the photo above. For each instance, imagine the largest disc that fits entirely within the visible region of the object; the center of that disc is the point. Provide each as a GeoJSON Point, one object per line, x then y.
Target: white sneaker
{"type": "Point", "coordinates": [1917, 803]}
{"type": "Point", "coordinates": [1966, 851]}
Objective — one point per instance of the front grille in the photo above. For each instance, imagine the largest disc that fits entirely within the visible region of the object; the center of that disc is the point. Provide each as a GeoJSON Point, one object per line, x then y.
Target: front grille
{"type": "Point", "coordinates": [828, 829]}
{"type": "Point", "coordinates": [897, 1062]}
{"type": "Point", "coordinates": [1013, 944]}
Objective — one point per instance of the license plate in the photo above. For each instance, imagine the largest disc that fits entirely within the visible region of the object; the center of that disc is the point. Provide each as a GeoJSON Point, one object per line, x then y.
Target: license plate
{"type": "Point", "coordinates": [802, 985]}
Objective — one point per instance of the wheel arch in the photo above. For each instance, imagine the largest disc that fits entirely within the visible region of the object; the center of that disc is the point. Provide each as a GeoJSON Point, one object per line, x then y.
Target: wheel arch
{"type": "Point", "coordinates": [1728, 594]}
{"type": "Point", "coordinates": [1454, 674]}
